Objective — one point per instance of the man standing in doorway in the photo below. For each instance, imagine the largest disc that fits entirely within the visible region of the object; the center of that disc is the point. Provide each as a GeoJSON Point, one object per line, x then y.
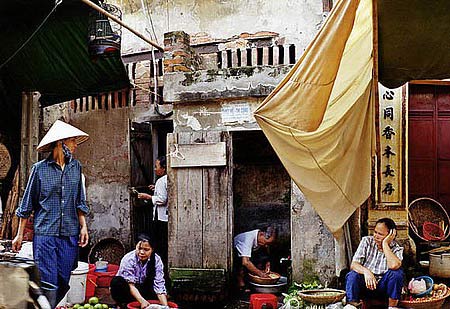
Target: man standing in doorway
{"type": "Point", "coordinates": [160, 210]}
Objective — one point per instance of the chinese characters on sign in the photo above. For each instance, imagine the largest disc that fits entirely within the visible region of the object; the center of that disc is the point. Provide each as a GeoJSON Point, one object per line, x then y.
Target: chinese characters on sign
{"type": "Point", "coordinates": [390, 155]}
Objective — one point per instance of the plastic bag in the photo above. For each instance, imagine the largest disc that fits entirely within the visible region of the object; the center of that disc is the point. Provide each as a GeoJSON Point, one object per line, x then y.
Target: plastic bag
{"type": "Point", "coordinates": [417, 286]}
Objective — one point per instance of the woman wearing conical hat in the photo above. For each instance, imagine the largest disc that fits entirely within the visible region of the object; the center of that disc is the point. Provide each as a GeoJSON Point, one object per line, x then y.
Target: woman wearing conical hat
{"type": "Point", "coordinates": [55, 193]}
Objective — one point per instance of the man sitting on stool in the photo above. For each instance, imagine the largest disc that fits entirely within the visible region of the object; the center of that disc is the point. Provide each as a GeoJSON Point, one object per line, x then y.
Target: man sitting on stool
{"type": "Point", "coordinates": [375, 269]}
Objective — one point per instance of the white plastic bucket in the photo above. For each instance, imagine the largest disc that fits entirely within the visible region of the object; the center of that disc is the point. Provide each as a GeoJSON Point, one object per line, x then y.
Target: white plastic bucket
{"type": "Point", "coordinates": [26, 251]}
{"type": "Point", "coordinates": [77, 284]}
{"type": "Point", "coordinates": [63, 301]}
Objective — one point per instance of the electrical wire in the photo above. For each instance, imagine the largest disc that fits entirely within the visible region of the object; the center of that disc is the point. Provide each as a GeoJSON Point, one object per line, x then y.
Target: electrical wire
{"type": "Point", "coordinates": [149, 20]}
{"type": "Point", "coordinates": [57, 2]}
{"type": "Point", "coordinates": [148, 17]}
{"type": "Point", "coordinates": [144, 89]}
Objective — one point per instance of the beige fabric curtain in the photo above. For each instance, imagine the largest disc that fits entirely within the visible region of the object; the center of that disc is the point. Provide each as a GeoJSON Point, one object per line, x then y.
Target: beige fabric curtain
{"type": "Point", "coordinates": [320, 118]}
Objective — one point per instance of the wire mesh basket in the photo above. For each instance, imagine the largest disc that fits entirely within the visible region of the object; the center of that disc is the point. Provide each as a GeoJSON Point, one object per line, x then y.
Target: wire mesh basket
{"type": "Point", "coordinates": [108, 249]}
{"type": "Point", "coordinates": [427, 210]}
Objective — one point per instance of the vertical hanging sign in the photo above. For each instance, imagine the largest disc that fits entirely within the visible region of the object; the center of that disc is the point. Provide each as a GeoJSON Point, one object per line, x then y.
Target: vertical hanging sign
{"type": "Point", "coordinates": [390, 152]}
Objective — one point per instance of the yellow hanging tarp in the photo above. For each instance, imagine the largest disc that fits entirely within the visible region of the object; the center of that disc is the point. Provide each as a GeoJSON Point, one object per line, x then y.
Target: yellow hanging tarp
{"type": "Point", "coordinates": [320, 118]}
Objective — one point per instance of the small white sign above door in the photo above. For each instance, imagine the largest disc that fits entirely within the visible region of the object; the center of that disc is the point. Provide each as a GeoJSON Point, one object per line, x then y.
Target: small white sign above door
{"type": "Point", "coordinates": [237, 113]}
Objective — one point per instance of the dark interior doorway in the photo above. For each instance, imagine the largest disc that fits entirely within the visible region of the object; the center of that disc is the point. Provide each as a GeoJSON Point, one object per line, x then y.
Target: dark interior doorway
{"type": "Point", "coordinates": [261, 192]}
{"type": "Point", "coordinates": [148, 141]}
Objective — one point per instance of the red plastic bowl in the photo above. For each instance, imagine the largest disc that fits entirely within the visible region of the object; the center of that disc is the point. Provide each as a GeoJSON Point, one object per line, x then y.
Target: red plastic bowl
{"type": "Point", "coordinates": [432, 231]}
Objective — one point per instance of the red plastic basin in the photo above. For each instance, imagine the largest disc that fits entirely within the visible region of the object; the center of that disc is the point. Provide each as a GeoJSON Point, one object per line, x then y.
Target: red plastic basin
{"type": "Point", "coordinates": [104, 278]}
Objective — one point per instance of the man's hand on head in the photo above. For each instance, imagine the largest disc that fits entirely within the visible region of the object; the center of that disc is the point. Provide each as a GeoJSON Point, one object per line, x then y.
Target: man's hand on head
{"type": "Point", "coordinates": [389, 238]}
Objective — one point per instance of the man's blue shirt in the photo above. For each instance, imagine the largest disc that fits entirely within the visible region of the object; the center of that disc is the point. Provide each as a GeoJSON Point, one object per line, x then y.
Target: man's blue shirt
{"type": "Point", "coordinates": [54, 195]}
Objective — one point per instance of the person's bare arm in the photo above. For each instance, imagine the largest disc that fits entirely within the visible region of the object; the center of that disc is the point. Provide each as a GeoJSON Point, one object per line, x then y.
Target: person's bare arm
{"type": "Point", "coordinates": [144, 196]}
{"type": "Point", "coordinates": [369, 278]}
{"type": "Point", "coordinates": [252, 268]}
{"type": "Point", "coordinates": [393, 262]}
{"type": "Point", "coordinates": [17, 241]}
{"type": "Point", "coordinates": [162, 299]}
{"type": "Point", "coordinates": [137, 295]}
{"type": "Point", "coordinates": [84, 234]}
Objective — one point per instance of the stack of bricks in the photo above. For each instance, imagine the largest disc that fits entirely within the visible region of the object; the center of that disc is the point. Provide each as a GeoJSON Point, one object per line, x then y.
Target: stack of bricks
{"type": "Point", "coordinates": [178, 54]}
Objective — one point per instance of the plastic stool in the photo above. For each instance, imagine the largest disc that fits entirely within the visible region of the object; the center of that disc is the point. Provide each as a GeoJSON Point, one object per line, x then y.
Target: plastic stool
{"type": "Point", "coordinates": [263, 301]}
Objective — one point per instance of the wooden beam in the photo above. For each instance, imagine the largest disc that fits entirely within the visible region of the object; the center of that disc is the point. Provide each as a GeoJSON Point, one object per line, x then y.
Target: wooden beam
{"type": "Point", "coordinates": [376, 94]}
{"type": "Point", "coordinates": [117, 20]}
{"type": "Point", "coordinates": [29, 136]}
{"type": "Point", "coordinates": [435, 82]}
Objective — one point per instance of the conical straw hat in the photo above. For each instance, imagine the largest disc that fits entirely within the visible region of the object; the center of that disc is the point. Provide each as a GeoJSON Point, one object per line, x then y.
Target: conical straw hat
{"type": "Point", "coordinates": [61, 130]}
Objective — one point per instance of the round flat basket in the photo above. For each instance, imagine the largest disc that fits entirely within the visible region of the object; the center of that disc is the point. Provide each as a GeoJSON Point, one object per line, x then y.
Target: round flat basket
{"type": "Point", "coordinates": [5, 161]}
{"type": "Point", "coordinates": [427, 210]}
{"type": "Point", "coordinates": [108, 249]}
{"type": "Point", "coordinates": [433, 302]}
{"type": "Point", "coordinates": [322, 296]}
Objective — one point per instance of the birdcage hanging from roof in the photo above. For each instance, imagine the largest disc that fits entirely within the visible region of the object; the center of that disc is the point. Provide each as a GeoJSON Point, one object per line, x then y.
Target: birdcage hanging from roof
{"type": "Point", "coordinates": [104, 34]}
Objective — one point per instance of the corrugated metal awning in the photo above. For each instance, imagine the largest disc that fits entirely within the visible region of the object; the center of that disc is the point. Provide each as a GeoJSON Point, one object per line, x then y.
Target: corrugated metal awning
{"type": "Point", "coordinates": [55, 61]}
{"type": "Point", "coordinates": [414, 40]}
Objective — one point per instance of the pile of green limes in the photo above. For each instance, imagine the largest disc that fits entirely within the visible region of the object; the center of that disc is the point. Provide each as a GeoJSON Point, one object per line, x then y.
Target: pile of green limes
{"type": "Point", "coordinates": [92, 304]}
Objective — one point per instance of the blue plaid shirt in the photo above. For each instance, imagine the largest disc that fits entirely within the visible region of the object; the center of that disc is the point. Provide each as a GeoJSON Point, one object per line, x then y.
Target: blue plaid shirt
{"type": "Point", "coordinates": [54, 195]}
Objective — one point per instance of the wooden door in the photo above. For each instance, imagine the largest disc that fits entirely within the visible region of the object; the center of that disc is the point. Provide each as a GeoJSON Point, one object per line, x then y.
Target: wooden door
{"type": "Point", "coordinates": [429, 143]}
{"type": "Point", "coordinates": [141, 161]}
{"type": "Point", "coordinates": [200, 210]}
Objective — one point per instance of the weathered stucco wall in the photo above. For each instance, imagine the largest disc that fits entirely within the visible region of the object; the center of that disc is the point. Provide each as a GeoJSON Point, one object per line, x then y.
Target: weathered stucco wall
{"type": "Point", "coordinates": [313, 246]}
{"type": "Point", "coordinates": [215, 115]}
{"type": "Point", "coordinates": [105, 160]}
{"type": "Point", "coordinates": [297, 21]}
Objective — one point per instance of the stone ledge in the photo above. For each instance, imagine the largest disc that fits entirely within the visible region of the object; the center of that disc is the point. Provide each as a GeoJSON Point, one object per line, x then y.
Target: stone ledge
{"type": "Point", "coordinates": [181, 87]}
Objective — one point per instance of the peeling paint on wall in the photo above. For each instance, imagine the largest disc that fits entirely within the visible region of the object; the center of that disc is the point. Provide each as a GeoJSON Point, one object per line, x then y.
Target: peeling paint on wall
{"type": "Point", "coordinates": [207, 115]}
{"type": "Point", "coordinates": [192, 122]}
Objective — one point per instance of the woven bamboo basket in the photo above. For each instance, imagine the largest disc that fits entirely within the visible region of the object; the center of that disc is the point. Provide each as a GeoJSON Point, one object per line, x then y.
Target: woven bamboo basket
{"type": "Point", "coordinates": [5, 161]}
{"type": "Point", "coordinates": [426, 303]}
{"type": "Point", "coordinates": [322, 296]}
{"type": "Point", "coordinates": [108, 249]}
{"type": "Point", "coordinates": [426, 209]}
